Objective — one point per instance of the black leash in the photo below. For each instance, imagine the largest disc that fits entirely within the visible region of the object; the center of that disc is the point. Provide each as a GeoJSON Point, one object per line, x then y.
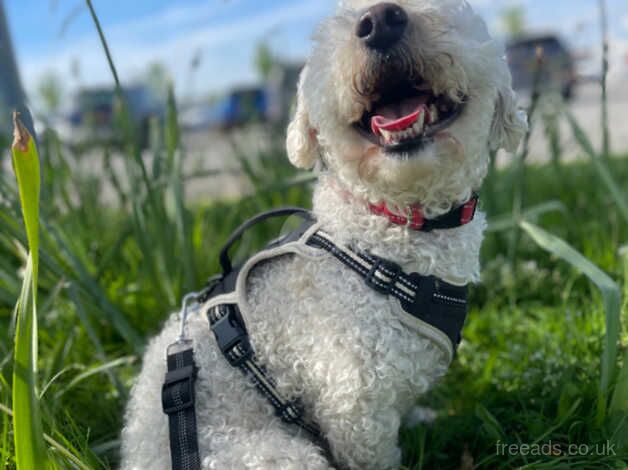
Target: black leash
{"type": "Point", "coordinates": [177, 396]}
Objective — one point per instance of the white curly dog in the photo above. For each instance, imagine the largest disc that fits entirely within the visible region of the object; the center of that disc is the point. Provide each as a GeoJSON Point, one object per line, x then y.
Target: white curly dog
{"type": "Point", "coordinates": [399, 103]}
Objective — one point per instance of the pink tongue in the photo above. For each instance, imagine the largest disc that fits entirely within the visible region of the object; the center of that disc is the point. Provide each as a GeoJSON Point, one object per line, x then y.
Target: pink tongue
{"type": "Point", "coordinates": [398, 116]}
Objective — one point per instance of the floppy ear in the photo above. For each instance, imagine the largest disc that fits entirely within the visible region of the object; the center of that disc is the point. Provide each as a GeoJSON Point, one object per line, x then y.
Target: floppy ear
{"type": "Point", "coordinates": [509, 123]}
{"type": "Point", "coordinates": [301, 142]}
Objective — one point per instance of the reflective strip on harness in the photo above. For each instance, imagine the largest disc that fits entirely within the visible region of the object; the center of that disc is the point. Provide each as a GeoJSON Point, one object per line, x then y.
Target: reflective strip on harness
{"type": "Point", "coordinates": [438, 308]}
{"type": "Point", "coordinates": [431, 306]}
{"type": "Point", "coordinates": [233, 341]}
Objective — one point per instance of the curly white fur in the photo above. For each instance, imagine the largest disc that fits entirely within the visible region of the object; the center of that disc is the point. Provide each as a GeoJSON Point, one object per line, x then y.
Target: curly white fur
{"type": "Point", "coordinates": [323, 334]}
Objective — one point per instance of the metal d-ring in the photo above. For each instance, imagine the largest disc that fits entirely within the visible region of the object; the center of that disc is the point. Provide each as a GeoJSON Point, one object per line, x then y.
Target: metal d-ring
{"type": "Point", "coordinates": [183, 341]}
{"type": "Point", "coordinates": [187, 300]}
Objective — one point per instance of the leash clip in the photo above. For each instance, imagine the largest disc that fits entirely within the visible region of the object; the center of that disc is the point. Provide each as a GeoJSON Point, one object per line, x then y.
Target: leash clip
{"type": "Point", "coordinates": [189, 304]}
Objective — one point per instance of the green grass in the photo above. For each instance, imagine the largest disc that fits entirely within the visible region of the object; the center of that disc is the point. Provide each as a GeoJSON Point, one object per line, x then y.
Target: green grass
{"type": "Point", "coordinates": [537, 366]}
{"type": "Point", "coordinates": [528, 371]}
{"type": "Point", "coordinates": [108, 278]}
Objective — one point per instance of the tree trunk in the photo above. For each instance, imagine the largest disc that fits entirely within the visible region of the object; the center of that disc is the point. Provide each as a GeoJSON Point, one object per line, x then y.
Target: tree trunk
{"type": "Point", "coordinates": [12, 95]}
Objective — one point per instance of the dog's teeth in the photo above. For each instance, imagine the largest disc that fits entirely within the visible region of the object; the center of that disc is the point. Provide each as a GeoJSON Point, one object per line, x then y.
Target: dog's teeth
{"type": "Point", "coordinates": [420, 121]}
{"type": "Point", "coordinates": [385, 134]}
{"type": "Point", "coordinates": [433, 114]}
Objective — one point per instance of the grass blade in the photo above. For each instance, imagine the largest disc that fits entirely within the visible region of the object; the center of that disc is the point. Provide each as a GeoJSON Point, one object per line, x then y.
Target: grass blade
{"type": "Point", "coordinates": [53, 443]}
{"type": "Point", "coordinates": [103, 41]}
{"type": "Point", "coordinates": [91, 333]}
{"type": "Point", "coordinates": [30, 451]}
{"type": "Point", "coordinates": [618, 195]}
{"type": "Point", "coordinates": [611, 297]}
{"type": "Point", "coordinates": [507, 221]}
{"type": "Point", "coordinates": [175, 168]}
{"type": "Point", "coordinates": [619, 402]}
{"type": "Point", "coordinates": [103, 368]}
{"type": "Point", "coordinates": [606, 151]}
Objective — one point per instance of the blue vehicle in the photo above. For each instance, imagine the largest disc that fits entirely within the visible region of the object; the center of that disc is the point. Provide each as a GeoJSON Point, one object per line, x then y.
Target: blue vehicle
{"type": "Point", "coordinates": [240, 107]}
{"type": "Point", "coordinates": [90, 120]}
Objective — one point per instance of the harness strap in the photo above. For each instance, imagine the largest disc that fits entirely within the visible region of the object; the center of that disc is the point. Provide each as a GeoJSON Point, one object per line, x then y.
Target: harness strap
{"type": "Point", "coordinates": [233, 341]}
{"type": "Point", "coordinates": [431, 300]}
{"type": "Point", "coordinates": [177, 398]}
{"type": "Point", "coordinates": [225, 261]}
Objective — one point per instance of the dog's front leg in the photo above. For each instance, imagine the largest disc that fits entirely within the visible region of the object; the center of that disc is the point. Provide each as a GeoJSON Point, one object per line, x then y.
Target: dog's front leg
{"type": "Point", "coordinates": [366, 440]}
{"type": "Point", "coordinates": [270, 448]}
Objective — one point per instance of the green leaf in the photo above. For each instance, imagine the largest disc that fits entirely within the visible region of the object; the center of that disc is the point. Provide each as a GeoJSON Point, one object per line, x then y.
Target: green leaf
{"type": "Point", "coordinates": [26, 167]}
{"type": "Point", "coordinates": [611, 297]}
{"type": "Point", "coordinates": [30, 451]}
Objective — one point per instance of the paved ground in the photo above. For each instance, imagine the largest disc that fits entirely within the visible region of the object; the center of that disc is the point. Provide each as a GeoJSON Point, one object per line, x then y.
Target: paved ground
{"type": "Point", "coordinates": [218, 152]}
{"type": "Point", "coordinates": [586, 108]}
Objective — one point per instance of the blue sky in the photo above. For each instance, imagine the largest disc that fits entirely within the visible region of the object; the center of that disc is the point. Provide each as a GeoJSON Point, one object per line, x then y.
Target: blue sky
{"type": "Point", "coordinates": [51, 35]}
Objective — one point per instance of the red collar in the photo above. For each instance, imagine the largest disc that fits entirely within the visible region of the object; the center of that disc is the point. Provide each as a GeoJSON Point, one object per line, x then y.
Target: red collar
{"type": "Point", "coordinates": [413, 218]}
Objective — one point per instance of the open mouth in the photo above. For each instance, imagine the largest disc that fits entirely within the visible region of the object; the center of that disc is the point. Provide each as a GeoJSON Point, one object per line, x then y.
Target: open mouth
{"type": "Point", "coordinates": [407, 116]}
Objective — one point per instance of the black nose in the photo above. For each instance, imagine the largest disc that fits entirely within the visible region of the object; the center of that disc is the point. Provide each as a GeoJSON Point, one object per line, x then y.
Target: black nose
{"type": "Point", "coordinates": [382, 26]}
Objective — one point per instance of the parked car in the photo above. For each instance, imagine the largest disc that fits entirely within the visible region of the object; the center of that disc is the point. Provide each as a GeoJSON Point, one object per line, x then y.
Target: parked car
{"type": "Point", "coordinates": [282, 90]}
{"type": "Point", "coordinates": [239, 107]}
{"type": "Point", "coordinates": [558, 73]}
{"type": "Point", "coordinates": [91, 119]}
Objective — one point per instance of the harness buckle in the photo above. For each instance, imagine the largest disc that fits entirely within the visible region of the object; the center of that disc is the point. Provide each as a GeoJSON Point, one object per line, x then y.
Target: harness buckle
{"type": "Point", "coordinates": [177, 392]}
{"type": "Point", "coordinates": [232, 337]}
{"type": "Point", "coordinates": [383, 275]}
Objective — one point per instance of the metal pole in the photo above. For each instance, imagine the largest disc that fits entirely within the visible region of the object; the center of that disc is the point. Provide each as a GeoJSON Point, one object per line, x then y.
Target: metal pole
{"type": "Point", "coordinates": [12, 95]}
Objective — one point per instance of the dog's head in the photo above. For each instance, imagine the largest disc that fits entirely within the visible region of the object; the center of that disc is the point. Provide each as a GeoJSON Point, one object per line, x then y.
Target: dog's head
{"type": "Point", "coordinates": [402, 100]}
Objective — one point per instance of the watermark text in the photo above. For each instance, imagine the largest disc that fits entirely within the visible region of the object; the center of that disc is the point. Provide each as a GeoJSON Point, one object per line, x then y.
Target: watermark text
{"type": "Point", "coordinates": [555, 449]}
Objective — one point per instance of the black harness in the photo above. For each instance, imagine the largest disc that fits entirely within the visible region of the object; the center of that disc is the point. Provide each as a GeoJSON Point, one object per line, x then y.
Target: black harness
{"type": "Point", "coordinates": [433, 302]}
